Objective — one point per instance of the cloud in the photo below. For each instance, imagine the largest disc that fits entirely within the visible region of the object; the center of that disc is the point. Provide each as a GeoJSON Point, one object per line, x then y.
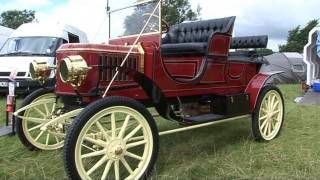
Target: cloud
{"type": "Point", "coordinates": [254, 17]}
{"type": "Point", "coordinates": [88, 16]}
{"type": "Point", "coordinates": [271, 17]}
{"type": "Point", "coordinates": [33, 3]}
{"type": "Point", "coordinates": [24, 4]}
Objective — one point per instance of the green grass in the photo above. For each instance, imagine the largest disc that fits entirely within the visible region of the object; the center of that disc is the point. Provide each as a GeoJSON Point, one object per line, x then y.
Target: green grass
{"type": "Point", "coordinates": [223, 151]}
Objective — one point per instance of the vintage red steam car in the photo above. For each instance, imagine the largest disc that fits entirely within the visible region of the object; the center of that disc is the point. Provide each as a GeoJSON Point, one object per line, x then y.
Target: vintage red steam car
{"type": "Point", "coordinates": [193, 73]}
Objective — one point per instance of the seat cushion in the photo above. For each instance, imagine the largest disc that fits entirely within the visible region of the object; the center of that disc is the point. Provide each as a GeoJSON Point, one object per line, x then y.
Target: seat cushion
{"type": "Point", "coordinates": [184, 49]}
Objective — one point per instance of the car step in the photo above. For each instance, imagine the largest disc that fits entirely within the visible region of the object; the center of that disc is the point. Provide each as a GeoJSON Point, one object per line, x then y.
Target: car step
{"type": "Point", "coordinates": [204, 118]}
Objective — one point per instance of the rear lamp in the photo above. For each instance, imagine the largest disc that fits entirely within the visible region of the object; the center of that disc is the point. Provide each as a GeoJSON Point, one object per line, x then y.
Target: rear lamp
{"type": "Point", "coordinates": [40, 70]}
{"type": "Point", "coordinates": [73, 70]}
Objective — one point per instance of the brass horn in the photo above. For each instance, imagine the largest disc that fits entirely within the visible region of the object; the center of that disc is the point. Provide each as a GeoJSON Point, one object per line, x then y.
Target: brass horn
{"type": "Point", "coordinates": [73, 70]}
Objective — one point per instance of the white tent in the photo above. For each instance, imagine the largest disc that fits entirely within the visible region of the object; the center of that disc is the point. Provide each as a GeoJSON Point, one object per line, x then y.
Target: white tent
{"type": "Point", "coordinates": [4, 34]}
{"type": "Point", "coordinates": [291, 64]}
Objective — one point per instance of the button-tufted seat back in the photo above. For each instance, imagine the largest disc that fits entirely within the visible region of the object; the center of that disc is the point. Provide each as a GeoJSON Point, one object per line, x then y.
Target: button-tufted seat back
{"type": "Point", "coordinates": [249, 42]}
{"type": "Point", "coordinates": [194, 37]}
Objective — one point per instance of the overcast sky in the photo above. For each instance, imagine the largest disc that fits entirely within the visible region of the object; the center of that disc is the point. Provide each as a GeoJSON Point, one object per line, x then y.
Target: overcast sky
{"type": "Point", "coordinates": [254, 17]}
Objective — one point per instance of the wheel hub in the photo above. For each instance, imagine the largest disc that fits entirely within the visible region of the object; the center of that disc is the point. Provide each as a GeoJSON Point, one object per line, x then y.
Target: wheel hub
{"type": "Point", "coordinates": [116, 149]}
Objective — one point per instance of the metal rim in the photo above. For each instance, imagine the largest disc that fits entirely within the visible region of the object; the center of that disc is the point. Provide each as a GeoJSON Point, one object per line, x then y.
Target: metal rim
{"type": "Point", "coordinates": [270, 115]}
{"type": "Point", "coordinates": [114, 146]}
{"type": "Point", "coordinates": [45, 140]}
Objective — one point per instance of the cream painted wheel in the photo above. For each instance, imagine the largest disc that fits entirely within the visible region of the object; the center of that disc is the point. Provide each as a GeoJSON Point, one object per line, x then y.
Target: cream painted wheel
{"type": "Point", "coordinates": [269, 114]}
{"type": "Point", "coordinates": [114, 138]}
{"type": "Point", "coordinates": [30, 122]}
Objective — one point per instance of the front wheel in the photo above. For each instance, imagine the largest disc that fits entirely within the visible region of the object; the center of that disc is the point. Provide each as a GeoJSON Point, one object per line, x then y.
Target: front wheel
{"type": "Point", "coordinates": [113, 138]}
{"type": "Point", "coordinates": [268, 115]}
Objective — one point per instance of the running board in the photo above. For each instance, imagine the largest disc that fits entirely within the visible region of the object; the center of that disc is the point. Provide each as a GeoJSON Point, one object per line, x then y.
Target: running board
{"type": "Point", "coordinates": [204, 118]}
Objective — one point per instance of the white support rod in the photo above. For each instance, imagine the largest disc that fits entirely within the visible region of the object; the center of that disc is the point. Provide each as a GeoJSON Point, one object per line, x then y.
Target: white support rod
{"type": "Point", "coordinates": [201, 125]}
{"type": "Point", "coordinates": [130, 51]}
{"type": "Point", "coordinates": [192, 127]}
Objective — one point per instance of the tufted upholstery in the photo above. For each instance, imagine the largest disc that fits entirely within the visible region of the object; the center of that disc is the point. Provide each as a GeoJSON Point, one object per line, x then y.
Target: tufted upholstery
{"type": "Point", "coordinates": [249, 42]}
{"type": "Point", "coordinates": [194, 37]}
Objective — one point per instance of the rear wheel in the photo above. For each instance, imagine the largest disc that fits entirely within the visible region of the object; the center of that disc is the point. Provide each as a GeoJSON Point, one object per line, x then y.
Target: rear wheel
{"type": "Point", "coordinates": [30, 121]}
{"type": "Point", "coordinates": [268, 115]}
{"type": "Point", "coordinates": [113, 138]}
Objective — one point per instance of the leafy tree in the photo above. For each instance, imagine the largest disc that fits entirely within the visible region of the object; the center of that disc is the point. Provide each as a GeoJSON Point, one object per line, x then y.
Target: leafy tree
{"type": "Point", "coordinates": [298, 37]}
{"type": "Point", "coordinates": [177, 11]}
{"type": "Point", "coordinates": [264, 51]}
{"type": "Point", "coordinates": [14, 18]}
{"type": "Point", "coordinates": [173, 11]}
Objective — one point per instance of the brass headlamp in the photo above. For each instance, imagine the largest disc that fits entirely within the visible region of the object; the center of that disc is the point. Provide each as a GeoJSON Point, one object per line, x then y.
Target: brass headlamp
{"type": "Point", "coordinates": [73, 70]}
{"type": "Point", "coordinates": [40, 70]}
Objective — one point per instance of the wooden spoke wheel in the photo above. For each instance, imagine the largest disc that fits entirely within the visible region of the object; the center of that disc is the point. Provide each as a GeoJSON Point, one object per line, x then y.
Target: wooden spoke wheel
{"type": "Point", "coordinates": [30, 121]}
{"type": "Point", "coordinates": [269, 114]}
{"type": "Point", "coordinates": [113, 138]}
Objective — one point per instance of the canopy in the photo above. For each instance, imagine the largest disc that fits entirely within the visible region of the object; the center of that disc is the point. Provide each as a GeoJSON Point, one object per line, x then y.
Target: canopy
{"type": "Point", "coordinates": [292, 65]}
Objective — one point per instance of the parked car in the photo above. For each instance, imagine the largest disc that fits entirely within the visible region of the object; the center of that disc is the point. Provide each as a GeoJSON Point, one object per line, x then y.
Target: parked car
{"type": "Point", "coordinates": [34, 41]}
{"type": "Point", "coordinates": [98, 109]}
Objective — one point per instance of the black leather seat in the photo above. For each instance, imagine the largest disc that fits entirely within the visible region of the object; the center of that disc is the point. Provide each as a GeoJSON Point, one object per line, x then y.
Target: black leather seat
{"type": "Point", "coordinates": [194, 38]}
{"type": "Point", "coordinates": [249, 42]}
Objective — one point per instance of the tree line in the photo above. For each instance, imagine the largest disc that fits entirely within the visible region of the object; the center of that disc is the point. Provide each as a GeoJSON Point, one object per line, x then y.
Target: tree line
{"type": "Point", "coordinates": [177, 11]}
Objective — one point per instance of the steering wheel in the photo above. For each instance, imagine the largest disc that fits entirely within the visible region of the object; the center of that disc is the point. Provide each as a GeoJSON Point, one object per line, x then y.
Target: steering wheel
{"type": "Point", "coordinates": [164, 25]}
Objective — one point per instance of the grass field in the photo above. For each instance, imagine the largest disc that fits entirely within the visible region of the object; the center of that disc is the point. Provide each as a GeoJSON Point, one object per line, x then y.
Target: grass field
{"type": "Point", "coordinates": [223, 151]}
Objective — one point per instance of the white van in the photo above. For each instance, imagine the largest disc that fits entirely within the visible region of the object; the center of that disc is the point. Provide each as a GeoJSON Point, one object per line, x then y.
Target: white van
{"type": "Point", "coordinates": [4, 34]}
{"type": "Point", "coordinates": [32, 41]}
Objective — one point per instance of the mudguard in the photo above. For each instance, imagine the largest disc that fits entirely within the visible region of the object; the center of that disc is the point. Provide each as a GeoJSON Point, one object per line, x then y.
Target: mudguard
{"type": "Point", "coordinates": [154, 93]}
{"type": "Point", "coordinates": [256, 84]}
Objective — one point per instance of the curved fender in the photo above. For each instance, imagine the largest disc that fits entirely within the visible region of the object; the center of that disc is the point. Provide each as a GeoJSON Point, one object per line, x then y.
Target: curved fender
{"type": "Point", "coordinates": [153, 91]}
{"type": "Point", "coordinates": [256, 84]}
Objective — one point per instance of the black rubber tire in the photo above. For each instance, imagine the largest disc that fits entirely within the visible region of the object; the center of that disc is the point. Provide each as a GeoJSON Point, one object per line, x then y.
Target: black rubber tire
{"type": "Point", "coordinates": [29, 99]}
{"type": "Point", "coordinates": [91, 110]}
{"type": "Point", "coordinates": [255, 116]}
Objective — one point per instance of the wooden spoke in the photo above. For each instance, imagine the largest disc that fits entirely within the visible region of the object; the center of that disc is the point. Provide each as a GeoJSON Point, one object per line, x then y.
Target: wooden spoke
{"type": "Point", "coordinates": [132, 133]}
{"type": "Point", "coordinates": [97, 165]}
{"type": "Point", "coordinates": [134, 156]}
{"type": "Point", "coordinates": [57, 139]}
{"type": "Point", "coordinates": [136, 138]}
{"type": "Point", "coordinates": [35, 120]}
{"type": "Point", "coordinates": [53, 108]}
{"type": "Point", "coordinates": [275, 105]}
{"type": "Point", "coordinates": [93, 154]}
{"type": "Point", "coordinates": [272, 101]}
{"type": "Point", "coordinates": [94, 141]}
{"type": "Point", "coordinates": [88, 147]}
{"type": "Point", "coordinates": [263, 124]}
{"type": "Point", "coordinates": [40, 112]}
{"type": "Point", "coordinates": [113, 125]}
{"type": "Point", "coordinates": [269, 128]}
{"type": "Point", "coordinates": [126, 165]}
{"type": "Point", "coordinates": [263, 117]}
{"type": "Point", "coordinates": [266, 128]}
{"type": "Point", "coordinates": [116, 170]}
{"type": "Point", "coordinates": [39, 135]}
{"type": "Point", "coordinates": [100, 127]}
{"type": "Point", "coordinates": [47, 109]}
{"type": "Point", "coordinates": [47, 139]}
{"type": "Point", "coordinates": [106, 170]}
{"type": "Point", "coordinates": [35, 127]}
{"type": "Point", "coordinates": [124, 126]}
{"type": "Point", "coordinates": [139, 143]}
